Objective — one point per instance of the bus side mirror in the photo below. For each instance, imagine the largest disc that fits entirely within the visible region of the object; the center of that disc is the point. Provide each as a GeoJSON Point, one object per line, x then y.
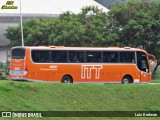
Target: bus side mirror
{"type": "Point", "coordinates": [147, 70]}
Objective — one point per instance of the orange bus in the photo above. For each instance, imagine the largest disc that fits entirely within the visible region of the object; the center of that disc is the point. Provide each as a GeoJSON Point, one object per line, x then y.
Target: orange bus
{"type": "Point", "coordinates": [80, 64]}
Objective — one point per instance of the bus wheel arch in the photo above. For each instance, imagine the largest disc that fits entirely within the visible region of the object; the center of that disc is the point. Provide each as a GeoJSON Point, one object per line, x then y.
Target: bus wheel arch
{"type": "Point", "coordinates": [67, 79]}
{"type": "Point", "coordinates": [127, 79]}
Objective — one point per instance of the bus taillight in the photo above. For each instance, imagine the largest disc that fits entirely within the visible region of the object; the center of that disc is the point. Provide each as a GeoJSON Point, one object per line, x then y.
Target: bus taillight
{"type": "Point", "coordinates": [26, 69]}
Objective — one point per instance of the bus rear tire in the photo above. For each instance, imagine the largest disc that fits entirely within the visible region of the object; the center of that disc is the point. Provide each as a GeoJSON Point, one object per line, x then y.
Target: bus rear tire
{"type": "Point", "coordinates": [67, 79]}
{"type": "Point", "coordinates": [126, 80]}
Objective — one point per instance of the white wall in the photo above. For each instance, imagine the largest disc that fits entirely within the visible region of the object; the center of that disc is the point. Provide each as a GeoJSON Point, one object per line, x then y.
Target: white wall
{"type": "Point", "coordinates": [4, 54]}
{"type": "Point", "coordinates": [4, 50]}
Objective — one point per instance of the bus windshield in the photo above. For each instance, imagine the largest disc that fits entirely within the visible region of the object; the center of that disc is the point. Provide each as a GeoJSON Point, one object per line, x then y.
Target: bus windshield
{"type": "Point", "coordinates": [142, 62]}
{"type": "Point", "coordinates": [18, 53]}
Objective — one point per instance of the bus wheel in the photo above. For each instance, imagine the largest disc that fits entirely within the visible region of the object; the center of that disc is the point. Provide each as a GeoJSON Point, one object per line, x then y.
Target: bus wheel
{"type": "Point", "coordinates": [67, 79]}
{"type": "Point", "coordinates": [126, 80]}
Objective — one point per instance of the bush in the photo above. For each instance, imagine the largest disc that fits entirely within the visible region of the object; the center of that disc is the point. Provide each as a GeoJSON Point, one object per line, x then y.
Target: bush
{"type": "Point", "coordinates": [4, 71]}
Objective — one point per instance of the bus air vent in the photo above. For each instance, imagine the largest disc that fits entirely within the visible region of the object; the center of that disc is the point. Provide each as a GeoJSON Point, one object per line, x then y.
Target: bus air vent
{"type": "Point", "coordinates": [52, 46]}
{"type": "Point", "coordinates": [127, 47]}
{"type": "Point", "coordinates": [56, 46]}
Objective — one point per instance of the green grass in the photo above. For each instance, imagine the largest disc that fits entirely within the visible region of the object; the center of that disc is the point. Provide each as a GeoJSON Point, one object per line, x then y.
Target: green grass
{"type": "Point", "coordinates": [157, 76]}
{"type": "Point", "coordinates": [155, 81]}
{"type": "Point", "coordinates": [40, 96]}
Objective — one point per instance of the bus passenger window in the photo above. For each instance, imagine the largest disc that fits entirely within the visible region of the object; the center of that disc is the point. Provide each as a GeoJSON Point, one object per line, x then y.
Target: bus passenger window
{"type": "Point", "coordinates": [39, 56]}
{"type": "Point", "coordinates": [62, 56]}
{"type": "Point", "coordinates": [93, 57]}
{"type": "Point", "coordinates": [80, 56]}
{"type": "Point", "coordinates": [106, 57]}
{"type": "Point", "coordinates": [58, 56]}
{"type": "Point", "coordinates": [110, 57]}
{"type": "Point", "coordinates": [54, 56]}
{"type": "Point", "coordinates": [127, 57]}
{"type": "Point", "coordinates": [114, 57]}
{"type": "Point", "coordinates": [44, 57]}
{"type": "Point", "coordinates": [123, 57]}
{"type": "Point", "coordinates": [72, 57]}
{"type": "Point", "coordinates": [76, 56]}
{"type": "Point", "coordinates": [35, 56]}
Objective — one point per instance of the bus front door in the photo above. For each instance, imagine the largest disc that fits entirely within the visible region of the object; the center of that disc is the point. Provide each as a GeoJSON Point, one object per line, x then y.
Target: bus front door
{"type": "Point", "coordinates": [144, 77]}
{"type": "Point", "coordinates": [143, 66]}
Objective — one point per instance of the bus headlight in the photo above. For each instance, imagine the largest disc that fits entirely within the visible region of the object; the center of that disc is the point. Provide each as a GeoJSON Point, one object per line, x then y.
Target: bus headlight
{"type": "Point", "coordinates": [18, 72]}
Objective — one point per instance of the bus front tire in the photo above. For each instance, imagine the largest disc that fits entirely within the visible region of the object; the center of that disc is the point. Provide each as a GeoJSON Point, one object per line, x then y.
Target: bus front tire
{"type": "Point", "coordinates": [126, 80]}
{"type": "Point", "coordinates": [67, 79]}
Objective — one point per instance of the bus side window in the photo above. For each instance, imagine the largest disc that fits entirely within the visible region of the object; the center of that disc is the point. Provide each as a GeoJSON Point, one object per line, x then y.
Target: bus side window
{"type": "Point", "coordinates": [110, 57]}
{"type": "Point", "coordinates": [44, 56]}
{"type": "Point", "coordinates": [131, 57]}
{"type": "Point", "coordinates": [39, 56]}
{"type": "Point", "coordinates": [123, 57]}
{"type": "Point", "coordinates": [53, 56]}
{"type": "Point", "coordinates": [72, 56]}
{"type": "Point", "coordinates": [93, 57]}
{"type": "Point", "coordinates": [114, 57]}
{"type": "Point", "coordinates": [62, 56]}
{"type": "Point", "coordinates": [35, 56]}
{"type": "Point", "coordinates": [98, 57]}
{"type": "Point", "coordinates": [80, 56]}
{"type": "Point", "coordinates": [76, 56]}
{"type": "Point", "coordinates": [106, 57]}
{"type": "Point", "coordinates": [127, 57]}
{"type": "Point", "coordinates": [58, 56]}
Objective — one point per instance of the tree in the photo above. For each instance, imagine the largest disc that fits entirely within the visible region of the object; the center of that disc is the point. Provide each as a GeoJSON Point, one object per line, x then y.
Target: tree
{"type": "Point", "coordinates": [88, 28]}
{"type": "Point", "coordinates": [67, 30]}
{"type": "Point", "coordinates": [91, 27]}
{"type": "Point", "coordinates": [134, 24]}
{"type": "Point", "coordinates": [97, 28]}
{"type": "Point", "coordinates": [36, 32]}
{"type": "Point", "coordinates": [139, 25]}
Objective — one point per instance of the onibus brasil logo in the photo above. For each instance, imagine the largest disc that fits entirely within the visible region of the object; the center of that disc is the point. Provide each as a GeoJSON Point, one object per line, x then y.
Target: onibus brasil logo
{"type": "Point", "coordinates": [9, 5]}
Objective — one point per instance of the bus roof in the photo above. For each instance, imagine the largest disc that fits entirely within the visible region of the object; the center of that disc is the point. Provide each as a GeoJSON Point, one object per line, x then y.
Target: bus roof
{"type": "Point", "coordinates": [82, 48]}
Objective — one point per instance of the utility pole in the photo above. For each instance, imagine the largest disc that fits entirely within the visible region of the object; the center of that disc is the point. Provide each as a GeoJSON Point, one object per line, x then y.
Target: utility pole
{"type": "Point", "coordinates": [21, 23]}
